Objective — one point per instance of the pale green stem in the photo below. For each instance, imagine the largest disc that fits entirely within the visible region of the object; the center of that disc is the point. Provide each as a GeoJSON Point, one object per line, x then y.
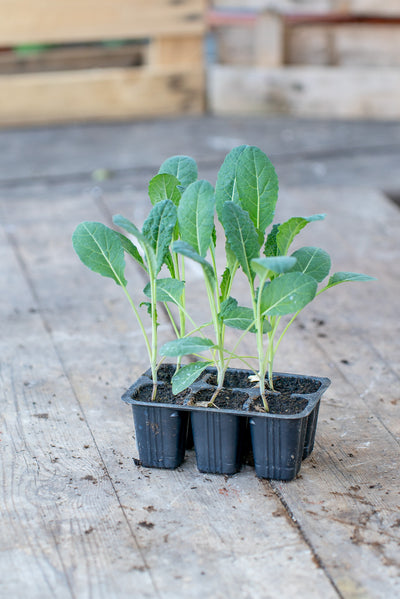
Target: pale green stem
{"type": "Point", "coordinates": [172, 319]}
{"type": "Point", "coordinates": [153, 288]}
{"type": "Point", "coordinates": [139, 320]}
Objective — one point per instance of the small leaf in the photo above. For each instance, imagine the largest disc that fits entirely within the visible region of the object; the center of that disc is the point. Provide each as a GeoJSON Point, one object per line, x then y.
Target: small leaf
{"type": "Point", "coordinates": [158, 228]}
{"type": "Point", "coordinates": [287, 294]}
{"type": "Point", "coordinates": [239, 317]}
{"type": "Point", "coordinates": [164, 187]}
{"type": "Point", "coordinates": [196, 216]}
{"type": "Point", "coordinates": [345, 277]}
{"type": "Point", "coordinates": [257, 185]}
{"type": "Point", "coordinates": [132, 250]}
{"type": "Point", "coordinates": [271, 247]}
{"type": "Point", "coordinates": [312, 261]}
{"type": "Point", "coordinates": [225, 284]}
{"type": "Point", "coordinates": [126, 224]}
{"type": "Point", "coordinates": [292, 227]}
{"type": "Point", "coordinates": [167, 290]}
{"type": "Point", "coordinates": [147, 305]}
{"type": "Point", "coordinates": [226, 185]}
{"type": "Point", "coordinates": [185, 346]}
{"type": "Point", "coordinates": [100, 249]}
{"type": "Point", "coordinates": [241, 235]}
{"type": "Point", "coordinates": [276, 264]}
{"type": "Point", "coordinates": [181, 247]}
{"type": "Point", "coordinates": [187, 375]}
{"type": "Point", "coordinates": [183, 168]}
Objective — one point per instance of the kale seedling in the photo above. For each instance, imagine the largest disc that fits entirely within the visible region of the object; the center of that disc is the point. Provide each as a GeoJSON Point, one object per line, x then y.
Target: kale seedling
{"type": "Point", "coordinates": [247, 191]}
{"type": "Point", "coordinates": [103, 250]}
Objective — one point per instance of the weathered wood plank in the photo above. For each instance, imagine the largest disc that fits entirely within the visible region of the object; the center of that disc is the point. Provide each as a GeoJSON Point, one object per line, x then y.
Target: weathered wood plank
{"type": "Point", "coordinates": [100, 94]}
{"type": "Point", "coordinates": [200, 535]}
{"type": "Point", "coordinates": [24, 21]}
{"type": "Point", "coordinates": [344, 45]}
{"type": "Point", "coordinates": [60, 514]}
{"type": "Point", "coordinates": [309, 91]}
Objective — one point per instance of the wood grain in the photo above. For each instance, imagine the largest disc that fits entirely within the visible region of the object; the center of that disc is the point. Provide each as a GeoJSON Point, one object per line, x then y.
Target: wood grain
{"type": "Point", "coordinates": [307, 91]}
{"type": "Point", "coordinates": [93, 94]}
{"type": "Point", "coordinates": [34, 21]}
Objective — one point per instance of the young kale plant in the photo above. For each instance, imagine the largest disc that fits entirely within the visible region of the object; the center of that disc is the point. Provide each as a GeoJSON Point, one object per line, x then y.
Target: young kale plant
{"type": "Point", "coordinates": [174, 176]}
{"type": "Point", "coordinates": [103, 250]}
{"type": "Point", "coordinates": [197, 241]}
{"type": "Point", "coordinates": [246, 193]}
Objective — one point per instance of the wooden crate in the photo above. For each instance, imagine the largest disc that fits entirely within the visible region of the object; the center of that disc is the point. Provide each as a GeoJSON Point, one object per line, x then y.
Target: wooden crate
{"type": "Point", "coordinates": [80, 79]}
{"type": "Point", "coordinates": [330, 64]}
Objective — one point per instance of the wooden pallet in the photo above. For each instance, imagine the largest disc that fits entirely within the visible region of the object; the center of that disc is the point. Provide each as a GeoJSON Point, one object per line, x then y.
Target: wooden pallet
{"type": "Point", "coordinates": [162, 77]}
{"type": "Point", "coordinates": [307, 63]}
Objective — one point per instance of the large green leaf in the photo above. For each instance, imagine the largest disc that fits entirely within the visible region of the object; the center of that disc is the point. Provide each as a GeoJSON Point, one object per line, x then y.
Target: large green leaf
{"type": "Point", "coordinates": [239, 317]}
{"type": "Point", "coordinates": [164, 187]}
{"type": "Point", "coordinates": [257, 185]}
{"type": "Point", "coordinates": [185, 346]}
{"type": "Point", "coordinates": [287, 294]}
{"type": "Point", "coordinates": [187, 375]}
{"type": "Point", "coordinates": [100, 249]}
{"type": "Point", "coordinates": [312, 261]}
{"type": "Point", "coordinates": [126, 224]}
{"type": "Point", "coordinates": [131, 249]}
{"type": "Point", "coordinates": [167, 290]}
{"type": "Point", "coordinates": [181, 247]}
{"type": "Point", "coordinates": [158, 228]}
{"type": "Point", "coordinates": [183, 168]}
{"type": "Point", "coordinates": [276, 264]}
{"type": "Point", "coordinates": [292, 227]}
{"type": "Point", "coordinates": [346, 277]}
{"type": "Point", "coordinates": [226, 185]}
{"type": "Point", "coordinates": [241, 235]}
{"type": "Point", "coordinates": [196, 216]}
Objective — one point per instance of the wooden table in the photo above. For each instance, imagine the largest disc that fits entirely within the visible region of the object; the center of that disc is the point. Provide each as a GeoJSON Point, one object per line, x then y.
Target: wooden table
{"type": "Point", "coordinates": [81, 520]}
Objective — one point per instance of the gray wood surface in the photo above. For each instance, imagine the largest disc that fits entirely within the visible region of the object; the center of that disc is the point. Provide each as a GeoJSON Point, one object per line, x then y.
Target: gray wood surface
{"type": "Point", "coordinates": [81, 520]}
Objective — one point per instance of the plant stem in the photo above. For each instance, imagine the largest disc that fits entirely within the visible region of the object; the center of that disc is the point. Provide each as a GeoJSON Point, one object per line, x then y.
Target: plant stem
{"type": "Point", "coordinates": [153, 288]}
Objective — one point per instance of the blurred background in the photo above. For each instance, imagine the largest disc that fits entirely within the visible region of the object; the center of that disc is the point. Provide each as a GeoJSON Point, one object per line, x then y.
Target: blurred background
{"type": "Point", "coordinates": [121, 59]}
{"type": "Point", "coordinates": [91, 90]}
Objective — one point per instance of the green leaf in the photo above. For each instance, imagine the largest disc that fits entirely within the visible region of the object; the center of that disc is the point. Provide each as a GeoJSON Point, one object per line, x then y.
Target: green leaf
{"type": "Point", "coordinates": [185, 346]}
{"type": "Point", "coordinates": [292, 227]}
{"type": "Point", "coordinates": [132, 250]}
{"type": "Point", "coordinates": [126, 224]}
{"type": "Point", "coordinates": [345, 277]}
{"type": "Point", "coordinates": [181, 247]}
{"type": "Point", "coordinates": [183, 168]}
{"type": "Point", "coordinates": [287, 294]}
{"type": "Point", "coordinates": [271, 247]}
{"type": "Point", "coordinates": [187, 375]}
{"type": "Point", "coordinates": [148, 307]}
{"type": "Point", "coordinates": [276, 264]}
{"type": "Point", "coordinates": [239, 317]}
{"type": "Point", "coordinates": [312, 261]}
{"type": "Point", "coordinates": [196, 216]}
{"type": "Point", "coordinates": [100, 249]}
{"type": "Point", "coordinates": [167, 290]}
{"type": "Point", "coordinates": [158, 229]}
{"type": "Point", "coordinates": [225, 284]}
{"type": "Point", "coordinates": [226, 185]}
{"type": "Point", "coordinates": [241, 235]}
{"type": "Point", "coordinates": [257, 185]}
{"type": "Point", "coordinates": [164, 187]}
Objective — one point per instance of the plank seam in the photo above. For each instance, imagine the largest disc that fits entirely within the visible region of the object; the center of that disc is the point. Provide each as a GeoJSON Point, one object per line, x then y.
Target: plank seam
{"type": "Point", "coordinates": [290, 515]}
